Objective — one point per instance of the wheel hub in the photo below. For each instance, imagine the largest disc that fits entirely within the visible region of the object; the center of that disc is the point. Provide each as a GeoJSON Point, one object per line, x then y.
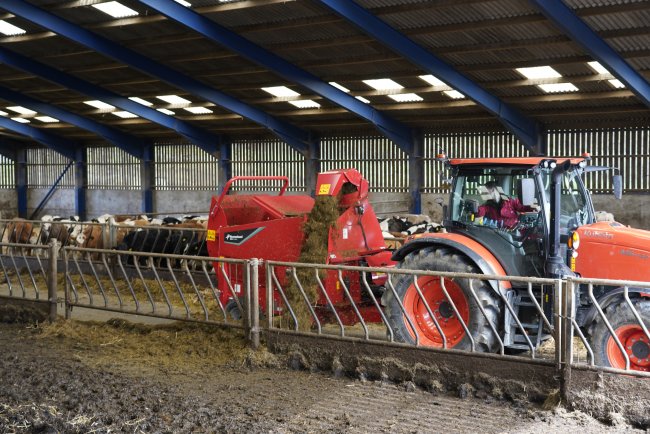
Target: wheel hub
{"type": "Point", "coordinates": [638, 349]}
{"type": "Point", "coordinates": [445, 310]}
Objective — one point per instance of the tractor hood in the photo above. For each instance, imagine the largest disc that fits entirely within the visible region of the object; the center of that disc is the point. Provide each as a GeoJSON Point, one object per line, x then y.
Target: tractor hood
{"type": "Point", "coordinates": [610, 250]}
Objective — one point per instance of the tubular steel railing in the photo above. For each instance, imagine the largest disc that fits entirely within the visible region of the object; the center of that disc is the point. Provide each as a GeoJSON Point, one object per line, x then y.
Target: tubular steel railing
{"type": "Point", "coordinates": [343, 302]}
{"type": "Point", "coordinates": [382, 331]}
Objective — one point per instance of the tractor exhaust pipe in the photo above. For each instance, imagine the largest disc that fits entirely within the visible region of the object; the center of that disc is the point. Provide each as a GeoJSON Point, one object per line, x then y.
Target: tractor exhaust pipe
{"type": "Point", "coordinates": [555, 266]}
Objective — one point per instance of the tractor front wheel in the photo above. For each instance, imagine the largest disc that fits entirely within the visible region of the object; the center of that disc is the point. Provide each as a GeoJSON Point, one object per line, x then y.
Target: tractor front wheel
{"type": "Point", "coordinates": [416, 318]}
{"type": "Point", "coordinates": [628, 331]}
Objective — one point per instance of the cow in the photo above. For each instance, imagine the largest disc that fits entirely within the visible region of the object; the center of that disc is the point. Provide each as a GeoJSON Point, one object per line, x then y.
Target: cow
{"type": "Point", "coordinates": [20, 231]}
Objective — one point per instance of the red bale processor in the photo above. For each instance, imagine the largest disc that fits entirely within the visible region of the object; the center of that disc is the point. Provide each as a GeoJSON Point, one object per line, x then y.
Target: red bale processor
{"type": "Point", "coordinates": [270, 227]}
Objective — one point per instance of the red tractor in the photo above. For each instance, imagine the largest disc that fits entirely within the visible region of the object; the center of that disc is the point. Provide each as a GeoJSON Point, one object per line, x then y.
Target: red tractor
{"type": "Point", "coordinates": [554, 233]}
{"type": "Point", "coordinates": [270, 227]}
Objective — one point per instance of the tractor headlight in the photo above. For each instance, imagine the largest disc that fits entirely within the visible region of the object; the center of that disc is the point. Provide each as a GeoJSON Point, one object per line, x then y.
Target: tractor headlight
{"type": "Point", "coordinates": [574, 241]}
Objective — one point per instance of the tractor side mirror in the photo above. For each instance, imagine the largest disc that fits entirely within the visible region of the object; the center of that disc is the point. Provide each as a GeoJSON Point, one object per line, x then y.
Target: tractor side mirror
{"type": "Point", "coordinates": [526, 191]}
{"type": "Point", "coordinates": [617, 183]}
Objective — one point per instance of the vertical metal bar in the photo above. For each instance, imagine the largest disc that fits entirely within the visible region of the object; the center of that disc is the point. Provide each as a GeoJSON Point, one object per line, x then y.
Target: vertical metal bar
{"type": "Point", "coordinates": [557, 309]}
{"type": "Point", "coordinates": [567, 339]}
{"type": "Point", "coordinates": [269, 297]}
{"type": "Point", "coordinates": [254, 303]}
{"type": "Point", "coordinates": [52, 276]}
{"type": "Point", "coordinates": [66, 286]}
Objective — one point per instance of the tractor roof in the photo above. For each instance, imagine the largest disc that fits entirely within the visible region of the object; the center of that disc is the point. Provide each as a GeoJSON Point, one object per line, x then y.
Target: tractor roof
{"type": "Point", "coordinates": [523, 161]}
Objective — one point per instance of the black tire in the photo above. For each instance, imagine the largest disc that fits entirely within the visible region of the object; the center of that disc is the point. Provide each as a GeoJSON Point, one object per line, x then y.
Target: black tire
{"type": "Point", "coordinates": [443, 259]}
{"type": "Point", "coordinates": [629, 332]}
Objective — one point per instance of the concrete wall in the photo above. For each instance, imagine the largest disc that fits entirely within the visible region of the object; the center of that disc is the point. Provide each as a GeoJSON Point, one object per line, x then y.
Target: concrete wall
{"type": "Point", "coordinates": [387, 204]}
{"type": "Point", "coordinates": [101, 202]}
{"type": "Point", "coordinates": [632, 209]}
{"type": "Point", "coordinates": [61, 203]}
{"type": "Point", "coordinates": [8, 203]}
{"type": "Point", "coordinates": [194, 202]}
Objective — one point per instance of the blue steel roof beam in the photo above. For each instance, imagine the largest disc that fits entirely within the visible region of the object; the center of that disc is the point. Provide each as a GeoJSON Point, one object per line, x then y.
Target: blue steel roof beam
{"type": "Point", "coordinates": [131, 144]}
{"type": "Point", "coordinates": [200, 137]}
{"type": "Point", "coordinates": [566, 20]}
{"type": "Point", "coordinates": [52, 141]}
{"type": "Point", "coordinates": [529, 131]}
{"type": "Point", "coordinates": [294, 136]}
{"type": "Point", "coordinates": [395, 130]}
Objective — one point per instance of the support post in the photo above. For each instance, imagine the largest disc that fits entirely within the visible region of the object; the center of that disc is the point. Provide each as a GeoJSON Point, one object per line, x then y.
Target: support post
{"type": "Point", "coordinates": [52, 283]}
{"type": "Point", "coordinates": [66, 286]}
{"type": "Point", "coordinates": [148, 179]}
{"type": "Point", "coordinates": [81, 184]}
{"type": "Point", "coordinates": [416, 172]}
{"type": "Point", "coordinates": [254, 303]}
{"type": "Point", "coordinates": [312, 167]}
{"type": "Point", "coordinates": [225, 163]}
{"type": "Point", "coordinates": [567, 339]}
{"type": "Point", "coordinates": [21, 181]}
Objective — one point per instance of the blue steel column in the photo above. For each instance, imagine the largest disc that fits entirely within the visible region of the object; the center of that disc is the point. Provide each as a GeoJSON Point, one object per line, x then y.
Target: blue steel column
{"type": "Point", "coordinates": [148, 179]}
{"type": "Point", "coordinates": [416, 172]}
{"type": "Point", "coordinates": [225, 163]}
{"type": "Point", "coordinates": [21, 181]}
{"type": "Point", "coordinates": [81, 183]}
{"type": "Point", "coordinates": [312, 167]}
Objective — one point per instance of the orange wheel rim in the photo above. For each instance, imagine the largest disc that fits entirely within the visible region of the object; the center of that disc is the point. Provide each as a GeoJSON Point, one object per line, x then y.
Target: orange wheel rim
{"type": "Point", "coordinates": [636, 345]}
{"type": "Point", "coordinates": [440, 307]}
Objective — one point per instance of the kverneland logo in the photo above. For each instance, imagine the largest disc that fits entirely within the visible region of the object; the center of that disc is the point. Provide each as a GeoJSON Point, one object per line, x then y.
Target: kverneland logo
{"type": "Point", "coordinates": [240, 237]}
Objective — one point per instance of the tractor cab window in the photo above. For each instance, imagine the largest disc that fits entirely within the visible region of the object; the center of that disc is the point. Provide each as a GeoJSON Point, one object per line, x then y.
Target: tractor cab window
{"type": "Point", "coordinates": [575, 209]}
{"type": "Point", "coordinates": [488, 197]}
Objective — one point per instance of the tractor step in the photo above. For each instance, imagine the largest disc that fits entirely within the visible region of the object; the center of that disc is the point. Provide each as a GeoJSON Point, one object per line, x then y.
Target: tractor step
{"type": "Point", "coordinates": [514, 336]}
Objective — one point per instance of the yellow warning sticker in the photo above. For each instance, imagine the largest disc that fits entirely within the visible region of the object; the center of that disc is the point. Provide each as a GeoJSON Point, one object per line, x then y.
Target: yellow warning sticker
{"type": "Point", "coordinates": [324, 189]}
{"type": "Point", "coordinates": [211, 235]}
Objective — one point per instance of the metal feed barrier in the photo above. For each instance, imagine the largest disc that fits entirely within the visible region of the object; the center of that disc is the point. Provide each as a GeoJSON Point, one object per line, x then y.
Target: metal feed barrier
{"type": "Point", "coordinates": [228, 292]}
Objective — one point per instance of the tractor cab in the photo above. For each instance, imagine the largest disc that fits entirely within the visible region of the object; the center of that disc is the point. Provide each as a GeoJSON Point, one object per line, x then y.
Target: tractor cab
{"type": "Point", "coordinates": [505, 205]}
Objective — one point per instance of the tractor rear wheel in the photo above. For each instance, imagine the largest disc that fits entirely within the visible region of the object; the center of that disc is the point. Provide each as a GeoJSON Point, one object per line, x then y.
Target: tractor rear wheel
{"type": "Point", "coordinates": [629, 333]}
{"type": "Point", "coordinates": [432, 290]}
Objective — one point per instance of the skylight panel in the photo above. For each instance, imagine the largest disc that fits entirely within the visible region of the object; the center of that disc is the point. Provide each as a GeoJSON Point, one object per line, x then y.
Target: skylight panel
{"type": "Point", "coordinates": [432, 80]}
{"type": "Point", "coordinates": [184, 3]}
{"type": "Point", "coordinates": [174, 99]}
{"type": "Point", "coordinates": [617, 83]}
{"type": "Point", "coordinates": [454, 94]}
{"type": "Point", "coordinates": [383, 84]}
{"type": "Point", "coordinates": [3, 113]}
{"type": "Point", "coordinates": [144, 102]}
{"type": "Point", "coordinates": [124, 115]}
{"type": "Point", "coordinates": [538, 72]}
{"type": "Point", "coordinates": [47, 119]}
{"type": "Point", "coordinates": [406, 97]}
{"type": "Point", "coordinates": [20, 120]}
{"type": "Point", "coordinates": [10, 30]}
{"type": "Point", "coordinates": [305, 103]}
{"type": "Point", "coordinates": [99, 105]}
{"type": "Point", "coordinates": [597, 67]}
{"type": "Point", "coordinates": [362, 99]}
{"type": "Point", "coordinates": [116, 9]}
{"type": "Point", "coordinates": [558, 87]}
{"type": "Point", "coordinates": [339, 87]}
{"type": "Point", "coordinates": [198, 110]}
{"type": "Point", "coordinates": [166, 111]}
{"type": "Point", "coordinates": [22, 110]}
{"type": "Point", "coordinates": [280, 91]}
